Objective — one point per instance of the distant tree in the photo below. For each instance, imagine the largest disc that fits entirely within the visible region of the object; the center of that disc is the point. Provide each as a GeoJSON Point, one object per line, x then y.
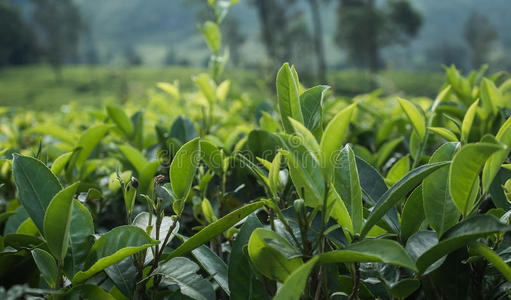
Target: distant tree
{"type": "Point", "coordinates": [17, 41]}
{"type": "Point", "coordinates": [317, 34]}
{"type": "Point", "coordinates": [60, 25]}
{"type": "Point", "coordinates": [233, 38]}
{"type": "Point", "coordinates": [364, 28]}
{"type": "Point", "coordinates": [170, 57]}
{"type": "Point", "coordinates": [132, 57]}
{"type": "Point", "coordinates": [284, 33]}
{"type": "Point", "coordinates": [480, 36]}
{"type": "Point", "coordinates": [446, 53]}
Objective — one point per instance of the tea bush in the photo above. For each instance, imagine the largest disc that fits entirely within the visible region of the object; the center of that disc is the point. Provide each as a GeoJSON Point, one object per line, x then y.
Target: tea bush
{"type": "Point", "coordinates": [196, 196]}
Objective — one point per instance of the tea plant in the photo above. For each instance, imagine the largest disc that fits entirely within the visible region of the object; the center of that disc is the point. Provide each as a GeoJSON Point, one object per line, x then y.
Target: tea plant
{"type": "Point", "coordinates": [316, 198]}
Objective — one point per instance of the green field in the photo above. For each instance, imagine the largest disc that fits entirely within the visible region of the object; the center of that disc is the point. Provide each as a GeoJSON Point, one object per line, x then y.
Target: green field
{"type": "Point", "coordinates": [35, 86]}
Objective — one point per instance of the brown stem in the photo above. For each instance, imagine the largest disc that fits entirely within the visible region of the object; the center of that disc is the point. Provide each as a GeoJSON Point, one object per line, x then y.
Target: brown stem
{"type": "Point", "coordinates": [356, 282]}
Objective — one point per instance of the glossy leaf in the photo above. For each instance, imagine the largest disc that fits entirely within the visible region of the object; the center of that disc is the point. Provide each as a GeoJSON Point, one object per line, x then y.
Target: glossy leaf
{"type": "Point", "coordinates": [213, 264]}
{"type": "Point", "coordinates": [89, 139]}
{"type": "Point", "coordinates": [445, 133]}
{"type": "Point", "coordinates": [347, 186]}
{"type": "Point", "coordinates": [464, 172]}
{"type": "Point", "coordinates": [492, 165]}
{"type": "Point", "coordinates": [183, 168]}
{"type": "Point", "coordinates": [460, 235]}
{"type": "Point", "coordinates": [295, 284]}
{"type": "Point", "coordinates": [288, 97]}
{"type": "Point", "coordinates": [214, 229]}
{"type": "Point", "coordinates": [243, 283]}
{"type": "Point", "coordinates": [183, 272]}
{"type": "Point", "coordinates": [113, 247]}
{"type": "Point", "coordinates": [466, 126]}
{"type": "Point", "coordinates": [415, 115]}
{"type": "Point", "coordinates": [57, 221]}
{"type": "Point", "coordinates": [311, 102]}
{"type": "Point", "coordinates": [268, 259]}
{"type": "Point", "coordinates": [80, 238]}
{"type": "Point", "coordinates": [370, 250]}
{"type": "Point", "coordinates": [439, 209]}
{"type": "Point", "coordinates": [36, 186]}
{"type": "Point", "coordinates": [47, 266]}
{"type": "Point", "coordinates": [333, 137]}
{"type": "Point", "coordinates": [413, 214]}
{"type": "Point", "coordinates": [117, 114]}
{"type": "Point", "coordinates": [398, 170]}
{"type": "Point", "coordinates": [397, 192]}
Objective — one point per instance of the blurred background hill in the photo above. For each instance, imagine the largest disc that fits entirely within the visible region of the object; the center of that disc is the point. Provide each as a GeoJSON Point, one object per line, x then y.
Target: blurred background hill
{"type": "Point", "coordinates": [155, 34]}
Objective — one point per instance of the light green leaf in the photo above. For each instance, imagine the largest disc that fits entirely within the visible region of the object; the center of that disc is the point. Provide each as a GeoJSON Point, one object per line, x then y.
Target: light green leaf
{"type": "Point", "coordinates": [398, 170]}
{"type": "Point", "coordinates": [466, 125]}
{"type": "Point", "coordinates": [439, 209]}
{"type": "Point", "coordinates": [113, 247]}
{"type": "Point", "coordinates": [333, 137]}
{"type": "Point", "coordinates": [445, 133]}
{"type": "Point", "coordinates": [36, 186]}
{"type": "Point", "coordinates": [464, 172]}
{"type": "Point", "coordinates": [311, 102]}
{"type": "Point", "coordinates": [55, 131]}
{"type": "Point", "coordinates": [89, 139]}
{"type": "Point", "coordinates": [88, 291]}
{"type": "Point", "coordinates": [288, 97]}
{"type": "Point", "coordinates": [494, 258]}
{"type": "Point", "coordinates": [492, 165]}
{"type": "Point", "coordinates": [207, 86]}
{"type": "Point", "coordinates": [214, 229]}
{"type": "Point", "coordinates": [295, 284]}
{"type": "Point", "coordinates": [397, 192]}
{"type": "Point", "coordinates": [268, 260]}
{"type": "Point", "coordinates": [183, 168]}
{"type": "Point", "coordinates": [46, 265]}
{"type": "Point", "coordinates": [117, 114]}
{"type": "Point", "coordinates": [134, 156]}
{"type": "Point", "coordinates": [490, 95]}
{"type": "Point", "coordinates": [57, 221]}
{"type": "Point", "coordinates": [347, 185]}
{"type": "Point", "coordinates": [274, 173]}
{"type": "Point", "coordinates": [306, 137]}
{"type": "Point", "coordinates": [370, 250]}
{"type": "Point", "coordinates": [415, 115]}
{"type": "Point", "coordinates": [212, 35]}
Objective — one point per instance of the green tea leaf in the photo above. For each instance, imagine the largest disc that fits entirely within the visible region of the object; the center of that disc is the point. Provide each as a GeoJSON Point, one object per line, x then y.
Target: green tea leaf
{"type": "Point", "coordinates": [494, 258]}
{"type": "Point", "coordinates": [370, 250]}
{"type": "Point", "coordinates": [464, 172]}
{"type": "Point", "coordinates": [117, 114]}
{"type": "Point", "coordinates": [212, 35]}
{"type": "Point", "coordinates": [415, 115]}
{"type": "Point", "coordinates": [398, 170]}
{"type": "Point", "coordinates": [36, 186]}
{"type": "Point", "coordinates": [492, 165]}
{"type": "Point", "coordinates": [347, 185]}
{"type": "Point", "coordinates": [466, 125]}
{"type": "Point", "coordinates": [183, 168]}
{"type": "Point", "coordinates": [460, 235]}
{"type": "Point", "coordinates": [333, 137]}
{"type": "Point", "coordinates": [243, 282]}
{"type": "Point", "coordinates": [213, 264]}
{"type": "Point", "coordinates": [89, 140]}
{"type": "Point", "coordinates": [134, 156]}
{"type": "Point", "coordinates": [295, 284]}
{"type": "Point", "coordinates": [445, 133]}
{"type": "Point", "coordinates": [57, 221]}
{"type": "Point", "coordinates": [47, 266]}
{"type": "Point", "coordinates": [288, 97]}
{"type": "Point", "coordinates": [268, 260]}
{"type": "Point", "coordinates": [214, 229]}
{"type": "Point", "coordinates": [397, 192]}
{"type": "Point", "coordinates": [439, 209]}
{"type": "Point", "coordinates": [311, 102]}
{"type": "Point", "coordinates": [182, 272]}
{"type": "Point", "coordinates": [413, 214]}
{"type": "Point", "coordinates": [113, 247]}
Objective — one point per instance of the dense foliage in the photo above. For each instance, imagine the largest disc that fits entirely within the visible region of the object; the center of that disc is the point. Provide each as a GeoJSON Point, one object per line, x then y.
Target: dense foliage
{"type": "Point", "coordinates": [320, 197]}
